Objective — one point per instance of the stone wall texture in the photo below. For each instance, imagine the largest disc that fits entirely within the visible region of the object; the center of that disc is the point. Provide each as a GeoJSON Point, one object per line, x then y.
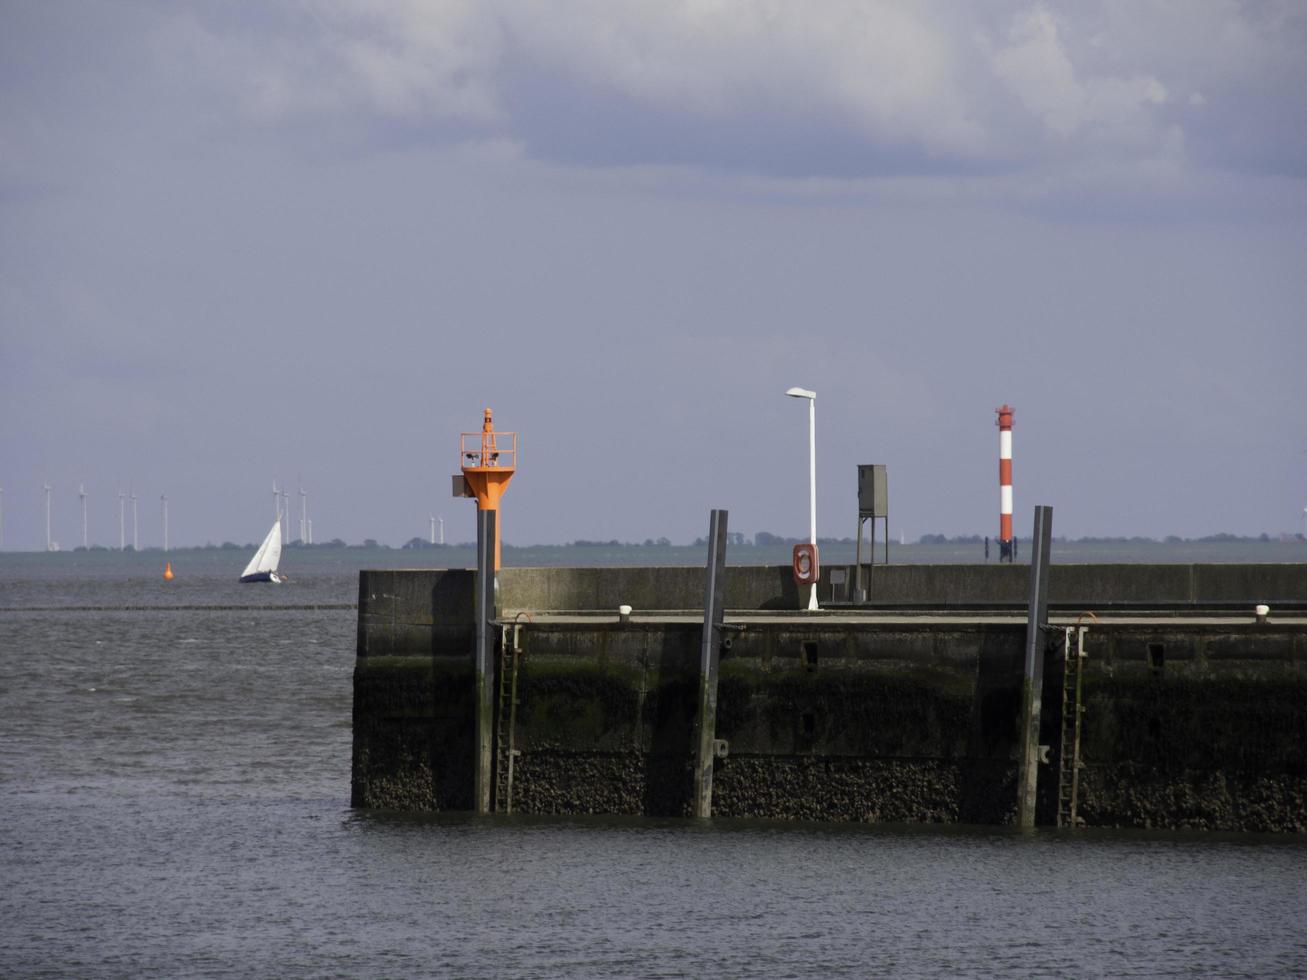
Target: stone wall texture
{"type": "Point", "coordinates": [1188, 723]}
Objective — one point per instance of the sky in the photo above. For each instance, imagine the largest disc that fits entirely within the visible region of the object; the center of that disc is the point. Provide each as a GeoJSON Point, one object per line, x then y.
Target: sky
{"type": "Point", "coordinates": [310, 242]}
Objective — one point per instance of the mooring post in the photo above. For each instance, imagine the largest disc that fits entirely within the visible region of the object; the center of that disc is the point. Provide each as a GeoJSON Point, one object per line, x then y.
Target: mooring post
{"type": "Point", "coordinates": [714, 614]}
{"type": "Point", "coordinates": [485, 662]}
{"type": "Point", "coordinates": [1033, 686]}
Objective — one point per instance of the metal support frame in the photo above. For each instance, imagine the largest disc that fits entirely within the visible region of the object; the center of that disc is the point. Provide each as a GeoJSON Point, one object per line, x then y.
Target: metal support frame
{"type": "Point", "coordinates": [873, 504]}
{"type": "Point", "coordinates": [863, 517]}
{"type": "Point", "coordinates": [506, 751]}
{"type": "Point", "coordinates": [714, 614]}
{"type": "Point", "coordinates": [1033, 686]}
{"type": "Point", "coordinates": [1073, 709]}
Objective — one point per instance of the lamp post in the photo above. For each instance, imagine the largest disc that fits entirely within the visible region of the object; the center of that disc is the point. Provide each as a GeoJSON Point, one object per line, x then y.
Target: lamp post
{"type": "Point", "coordinates": [811, 396]}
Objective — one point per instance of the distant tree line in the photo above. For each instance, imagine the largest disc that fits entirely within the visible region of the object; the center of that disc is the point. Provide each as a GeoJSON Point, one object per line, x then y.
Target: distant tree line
{"type": "Point", "coordinates": [735, 539]}
{"type": "Point", "coordinates": [1221, 538]}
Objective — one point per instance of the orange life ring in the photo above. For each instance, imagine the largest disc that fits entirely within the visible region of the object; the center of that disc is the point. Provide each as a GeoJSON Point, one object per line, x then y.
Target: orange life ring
{"type": "Point", "coordinates": [807, 566]}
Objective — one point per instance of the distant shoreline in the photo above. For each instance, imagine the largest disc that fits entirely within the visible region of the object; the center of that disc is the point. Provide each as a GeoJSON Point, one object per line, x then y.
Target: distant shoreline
{"type": "Point", "coordinates": [769, 542]}
{"type": "Point", "coordinates": [962, 550]}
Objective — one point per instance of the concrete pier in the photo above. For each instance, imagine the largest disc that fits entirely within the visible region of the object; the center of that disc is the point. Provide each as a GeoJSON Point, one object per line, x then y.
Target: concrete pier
{"type": "Point", "coordinates": [1196, 714]}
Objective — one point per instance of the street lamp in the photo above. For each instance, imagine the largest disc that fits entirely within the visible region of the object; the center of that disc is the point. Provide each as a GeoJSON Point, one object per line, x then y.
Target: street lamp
{"type": "Point", "coordinates": [811, 396]}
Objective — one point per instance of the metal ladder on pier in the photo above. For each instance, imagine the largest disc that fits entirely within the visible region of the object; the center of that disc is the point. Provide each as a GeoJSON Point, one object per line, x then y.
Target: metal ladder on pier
{"type": "Point", "coordinates": [1068, 768]}
{"type": "Point", "coordinates": [506, 752]}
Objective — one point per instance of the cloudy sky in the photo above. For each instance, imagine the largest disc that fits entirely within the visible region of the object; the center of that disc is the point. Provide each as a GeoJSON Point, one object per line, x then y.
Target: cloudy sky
{"type": "Point", "coordinates": [312, 240]}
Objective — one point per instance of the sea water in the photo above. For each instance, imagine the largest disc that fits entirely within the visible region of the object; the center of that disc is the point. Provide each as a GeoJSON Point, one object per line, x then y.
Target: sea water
{"type": "Point", "coordinates": [174, 801]}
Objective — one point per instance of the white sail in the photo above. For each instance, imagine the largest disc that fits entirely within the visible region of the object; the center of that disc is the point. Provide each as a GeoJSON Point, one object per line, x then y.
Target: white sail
{"type": "Point", "coordinates": [268, 555]}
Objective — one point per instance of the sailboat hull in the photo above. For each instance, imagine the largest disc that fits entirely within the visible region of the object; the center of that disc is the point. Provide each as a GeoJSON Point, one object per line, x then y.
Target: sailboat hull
{"type": "Point", "coordinates": [272, 577]}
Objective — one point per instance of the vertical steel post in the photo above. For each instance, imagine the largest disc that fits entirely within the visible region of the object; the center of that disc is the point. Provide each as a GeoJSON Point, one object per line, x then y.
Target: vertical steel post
{"type": "Point", "coordinates": [1033, 686]}
{"type": "Point", "coordinates": [485, 661]}
{"type": "Point", "coordinates": [812, 489]}
{"type": "Point", "coordinates": [857, 562]}
{"type": "Point", "coordinates": [714, 613]}
{"type": "Point", "coordinates": [871, 557]}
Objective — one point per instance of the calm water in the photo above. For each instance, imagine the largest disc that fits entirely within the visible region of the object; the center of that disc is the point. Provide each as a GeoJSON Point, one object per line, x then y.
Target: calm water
{"type": "Point", "coordinates": [174, 786]}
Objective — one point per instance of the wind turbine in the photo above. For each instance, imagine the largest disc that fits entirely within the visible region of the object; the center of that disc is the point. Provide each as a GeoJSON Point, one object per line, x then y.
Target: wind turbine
{"type": "Point", "coordinates": [285, 510]}
{"type": "Point", "coordinates": [433, 529]}
{"type": "Point", "coordinates": [136, 527]}
{"type": "Point", "coordinates": [122, 521]}
{"type": "Point", "coordinates": [2, 517]}
{"type": "Point", "coordinates": [47, 488]}
{"type": "Point", "coordinates": [81, 492]}
{"type": "Point", "coordinates": [163, 498]}
{"type": "Point", "coordinates": [304, 502]}
{"type": "Point", "coordinates": [441, 522]}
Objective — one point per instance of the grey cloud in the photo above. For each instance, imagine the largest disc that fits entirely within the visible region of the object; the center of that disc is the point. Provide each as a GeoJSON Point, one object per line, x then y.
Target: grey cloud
{"type": "Point", "coordinates": [840, 89]}
{"type": "Point", "coordinates": [561, 119]}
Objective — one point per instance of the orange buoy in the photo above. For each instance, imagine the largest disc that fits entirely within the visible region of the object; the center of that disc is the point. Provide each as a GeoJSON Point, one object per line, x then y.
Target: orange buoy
{"type": "Point", "coordinates": [167, 571]}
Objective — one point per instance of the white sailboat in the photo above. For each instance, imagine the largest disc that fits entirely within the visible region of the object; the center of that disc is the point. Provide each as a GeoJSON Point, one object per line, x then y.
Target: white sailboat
{"type": "Point", "coordinates": [263, 566]}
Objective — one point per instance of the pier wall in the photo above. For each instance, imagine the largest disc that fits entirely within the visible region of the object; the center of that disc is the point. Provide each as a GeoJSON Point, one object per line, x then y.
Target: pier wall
{"type": "Point", "coordinates": [837, 716]}
{"type": "Point", "coordinates": [773, 588]}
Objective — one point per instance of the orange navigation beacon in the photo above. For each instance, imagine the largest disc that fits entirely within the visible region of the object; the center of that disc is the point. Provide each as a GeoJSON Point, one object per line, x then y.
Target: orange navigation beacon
{"type": "Point", "coordinates": [488, 460]}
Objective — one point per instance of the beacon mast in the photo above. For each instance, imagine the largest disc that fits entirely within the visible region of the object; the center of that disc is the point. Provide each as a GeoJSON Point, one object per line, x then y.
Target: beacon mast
{"type": "Point", "coordinates": [1007, 544]}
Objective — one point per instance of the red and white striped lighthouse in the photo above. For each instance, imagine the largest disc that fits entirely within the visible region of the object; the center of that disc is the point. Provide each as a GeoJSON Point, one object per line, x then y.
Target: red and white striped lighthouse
{"type": "Point", "coordinates": [1006, 544]}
